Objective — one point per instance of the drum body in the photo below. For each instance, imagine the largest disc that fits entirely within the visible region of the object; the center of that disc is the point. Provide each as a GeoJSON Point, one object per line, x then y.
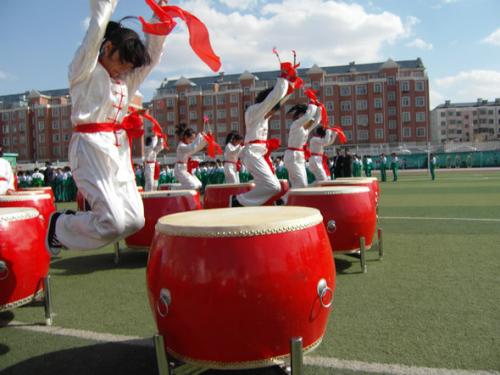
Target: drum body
{"type": "Point", "coordinates": [285, 186]}
{"type": "Point", "coordinates": [170, 186]}
{"type": "Point", "coordinates": [217, 195]}
{"type": "Point", "coordinates": [42, 202]}
{"type": "Point", "coordinates": [158, 204]}
{"type": "Point", "coordinates": [24, 260]}
{"type": "Point", "coordinates": [374, 180]}
{"type": "Point", "coordinates": [45, 189]}
{"type": "Point", "coordinates": [354, 181]}
{"type": "Point", "coordinates": [230, 287]}
{"type": "Point", "coordinates": [348, 212]}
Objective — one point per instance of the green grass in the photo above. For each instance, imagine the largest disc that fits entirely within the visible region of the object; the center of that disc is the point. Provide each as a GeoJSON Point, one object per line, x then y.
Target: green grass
{"type": "Point", "coordinates": [433, 301]}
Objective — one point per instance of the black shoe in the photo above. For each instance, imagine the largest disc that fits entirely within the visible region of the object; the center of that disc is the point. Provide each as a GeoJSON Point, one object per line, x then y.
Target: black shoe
{"type": "Point", "coordinates": [53, 245]}
{"type": "Point", "coordinates": [69, 212]}
{"type": "Point", "coordinates": [279, 202]}
{"type": "Point", "coordinates": [234, 202]}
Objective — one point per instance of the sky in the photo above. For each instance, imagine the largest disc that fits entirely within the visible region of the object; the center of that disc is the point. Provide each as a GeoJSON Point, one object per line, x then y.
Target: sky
{"type": "Point", "coordinates": [457, 40]}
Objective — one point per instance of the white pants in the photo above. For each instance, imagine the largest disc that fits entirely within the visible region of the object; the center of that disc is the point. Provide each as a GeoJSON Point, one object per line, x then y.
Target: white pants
{"type": "Point", "coordinates": [266, 183]}
{"type": "Point", "coordinates": [149, 177]}
{"type": "Point", "coordinates": [316, 167]}
{"type": "Point", "coordinates": [231, 174]}
{"type": "Point", "coordinates": [105, 179]}
{"type": "Point", "coordinates": [186, 179]}
{"type": "Point", "coordinates": [295, 164]}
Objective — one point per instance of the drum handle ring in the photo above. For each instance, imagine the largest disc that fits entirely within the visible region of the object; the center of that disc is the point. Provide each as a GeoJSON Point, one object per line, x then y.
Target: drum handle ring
{"type": "Point", "coordinates": [164, 300]}
{"type": "Point", "coordinates": [4, 270]}
{"type": "Point", "coordinates": [331, 226]}
{"type": "Point", "coordinates": [323, 289]}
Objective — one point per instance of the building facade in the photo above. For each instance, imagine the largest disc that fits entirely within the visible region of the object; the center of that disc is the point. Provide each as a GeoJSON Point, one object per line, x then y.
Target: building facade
{"type": "Point", "coordinates": [466, 122]}
{"type": "Point", "coordinates": [379, 103]}
{"type": "Point", "coordinates": [37, 125]}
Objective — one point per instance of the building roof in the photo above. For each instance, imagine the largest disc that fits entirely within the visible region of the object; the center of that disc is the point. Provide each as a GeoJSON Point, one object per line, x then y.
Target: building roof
{"type": "Point", "coordinates": [16, 98]}
{"type": "Point", "coordinates": [478, 103]}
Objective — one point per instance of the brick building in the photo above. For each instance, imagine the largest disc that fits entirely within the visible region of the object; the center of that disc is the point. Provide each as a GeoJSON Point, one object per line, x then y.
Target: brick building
{"type": "Point", "coordinates": [379, 103]}
{"type": "Point", "coordinates": [466, 122]}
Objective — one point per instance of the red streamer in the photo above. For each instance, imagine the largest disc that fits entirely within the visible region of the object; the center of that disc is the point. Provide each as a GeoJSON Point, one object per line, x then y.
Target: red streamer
{"type": "Point", "coordinates": [213, 148]}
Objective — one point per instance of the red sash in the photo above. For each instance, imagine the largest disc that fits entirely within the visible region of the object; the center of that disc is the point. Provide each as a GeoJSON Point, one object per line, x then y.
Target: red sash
{"type": "Point", "coordinates": [3, 179]}
{"type": "Point", "coordinates": [190, 165]}
{"type": "Point", "coordinates": [237, 163]}
{"type": "Point", "coordinates": [304, 149]}
{"type": "Point", "coordinates": [157, 171]}
{"type": "Point", "coordinates": [271, 144]}
{"type": "Point", "coordinates": [325, 162]}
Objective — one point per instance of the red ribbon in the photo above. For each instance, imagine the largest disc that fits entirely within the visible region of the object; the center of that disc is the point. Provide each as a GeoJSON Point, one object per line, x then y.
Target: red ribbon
{"type": "Point", "coordinates": [198, 34]}
{"type": "Point", "coordinates": [213, 148]}
{"type": "Point", "coordinates": [156, 175]}
{"type": "Point", "coordinates": [307, 152]}
{"type": "Point", "coordinates": [289, 72]}
{"type": "Point", "coordinates": [271, 145]}
{"type": "Point", "coordinates": [340, 134]}
{"type": "Point", "coordinates": [192, 164]}
{"type": "Point", "coordinates": [236, 163]}
{"type": "Point", "coordinates": [311, 94]}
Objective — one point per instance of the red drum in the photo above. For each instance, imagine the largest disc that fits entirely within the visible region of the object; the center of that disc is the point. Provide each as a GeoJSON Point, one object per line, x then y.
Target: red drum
{"type": "Point", "coordinates": [42, 202]}
{"type": "Point", "coordinates": [348, 213]}
{"type": "Point", "coordinates": [361, 181]}
{"type": "Point", "coordinates": [230, 287]}
{"type": "Point", "coordinates": [217, 195]}
{"type": "Point", "coordinates": [374, 180]}
{"type": "Point", "coordinates": [24, 260]}
{"type": "Point", "coordinates": [285, 186]}
{"type": "Point", "coordinates": [45, 189]}
{"type": "Point", "coordinates": [172, 186]}
{"type": "Point", "coordinates": [158, 204]}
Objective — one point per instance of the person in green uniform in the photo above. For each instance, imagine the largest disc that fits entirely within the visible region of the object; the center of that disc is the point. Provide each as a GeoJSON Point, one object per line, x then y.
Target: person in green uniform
{"type": "Point", "coordinates": [368, 165]}
{"type": "Point", "coordinates": [383, 167]}
{"type": "Point", "coordinates": [432, 166]}
{"type": "Point", "coordinates": [356, 166]}
{"type": "Point", "coordinates": [394, 166]}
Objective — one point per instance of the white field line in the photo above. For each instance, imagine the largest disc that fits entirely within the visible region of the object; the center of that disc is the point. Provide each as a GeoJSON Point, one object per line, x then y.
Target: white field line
{"type": "Point", "coordinates": [325, 362]}
{"type": "Point", "coordinates": [438, 218]}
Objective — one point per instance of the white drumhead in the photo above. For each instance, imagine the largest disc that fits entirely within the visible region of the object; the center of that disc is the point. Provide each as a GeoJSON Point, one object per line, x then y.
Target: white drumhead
{"type": "Point", "coordinates": [39, 188]}
{"type": "Point", "coordinates": [330, 190]}
{"type": "Point", "coordinates": [19, 196]}
{"type": "Point", "coordinates": [345, 182]}
{"type": "Point", "coordinates": [239, 222]}
{"type": "Point", "coordinates": [172, 184]}
{"type": "Point", "coordinates": [167, 193]}
{"type": "Point", "coordinates": [9, 214]}
{"type": "Point", "coordinates": [358, 179]}
{"type": "Point", "coordinates": [227, 186]}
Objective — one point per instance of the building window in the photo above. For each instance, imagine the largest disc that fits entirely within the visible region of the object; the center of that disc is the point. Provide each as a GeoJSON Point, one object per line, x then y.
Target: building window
{"type": "Point", "coordinates": [21, 115]}
{"type": "Point", "coordinates": [406, 116]}
{"type": "Point", "coordinates": [315, 85]}
{"type": "Point", "coordinates": [170, 130]}
{"type": "Point", "coordinates": [405, 86]}
{"type": "Point", "coordinates": [55, 124]}
{"type": "Point", "coordinates": [406, 132]}
{"type": "Point", "coordinates": [209, 114]}
{"type": "Point", "coordinates": [22, 126]}
{"type": "Point", "coordinates": [329, 91]}
{"type": "Point", "coordinates": [391, 96]}
{"type": "Point", "coordinates": [66, 137]}
{"type": "Point", "coordinates": [393, 124]}
{"type": "Point", "coordinates": [221, 99]}
{"type": "Point", "coordinates": [40, 112]}
{"type": "Point", "coordinates": [391, 80]}
{"type": "Point", "coordinates": [221, 128]}
{"type": "Point", "coordinates": [182, 110]}
{"type": "Point", "coordinates": [5, 129]}
{"type": "Point", "coordinates": [393, 138]}
{"type": "Point", "coordinates": [170, 102]}
{"type": "Point", "coordinates": [346, 120]}
{"type": "Point", "coordinates": [235, 112]}
{"type": "Point", "coordinates": [348, 135]}
{"type": "Point", "coordinates": [170, 116]}
{"type": "Point", "coordinates": [330, 106]}
{"type": "Point", "coordinates": [5, 116]}
{"type": "Point", "coordinates": [193, 115]}
{"type": "Point", "coordinates": [55, 111]}
{"type": "Point", "coordinates": [65, 110]}
{"type": "Point", "coordinates": [361, 90]}
{"type": "Point", "coordinates": [379, 118]}
{"type": "Point", "coordinates": [41, 125]}
{"type": "Point", "coordinates": [221, 114]}
{"type": "Point", "coordinates": [420, 116]}
{"type": "Point", "coordinates": [55, 138]}
{"type": "Point", "coordinates": [420, 132]}
{"type": "Point", "coordinates": [345, 90]}
{"type": "Point", "coordinates": [377, 88]}
{"type": "Point", "coordinates": [275, 125]}
{"type": "Point", "coordinates": [234, 98]}
{"type": "Point", "coordinates": [379, 133]}
{"type": "Point", "coordinates": [392, 111]}
{"type": "Point", "coordinates": [361, 105]}
{"type": "Point", "coordinates": [41, 138]}
{"type": "Point", "coordinates": [345, 106]}
{"type": "Point", "coordinates": [378, 103]}
{"type": "Point", "coordinates": [246, 91]}
{"type": "Point", "coordinates": [405, 101]}
{"type": "Point", "coordinates": [235, 126]}
{"type": "Point", "coordinates": [6, 141]}
{"type": "Point", "coordinates": [420, 101]}
{"type": "Point", "coordinates": [56, 151]}
{"type": "Point", "coordinates": [192, 100]}
{"type": "Point", "coordinates": [419, 86]}
{"type": "Point", "coordinates": [362, 120]}
{"type": "Point", "coordinates": [208, 100]}
{"type": "Point", "coordinates": [362, 135]}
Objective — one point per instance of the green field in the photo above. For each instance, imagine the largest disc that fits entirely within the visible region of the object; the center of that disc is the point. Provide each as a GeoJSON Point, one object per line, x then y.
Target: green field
{"type": "Point", "coordinates": [432, 302]}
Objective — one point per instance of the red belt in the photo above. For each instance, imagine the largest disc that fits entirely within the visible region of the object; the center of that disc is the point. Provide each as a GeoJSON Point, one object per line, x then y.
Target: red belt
{"type": "Point", "coordinates": [191, 164]}
{"type": "Point", "coordinates": [3, 179]}
{"type": "Point", "coordinates": [304, 149]}
{"type": "Point", "coordinates": [237, 163]}
{"type": "Point", "coordinates": [325, 162]}
{"type": "Point", "coordinates": [295, 149]}
{"type": "Point", "coordinates": [272, 144]}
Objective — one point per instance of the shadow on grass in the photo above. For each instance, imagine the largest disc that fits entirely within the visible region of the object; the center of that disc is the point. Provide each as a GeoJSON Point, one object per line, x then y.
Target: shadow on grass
{"type": "Point", "coordinates": [5, 318]}
{"type": "Point", "coordinates": [136, 357]}
{"type": "Point", "coordinates": [350, 264]}
{"type": "Point", "coordinates": [100, 262]}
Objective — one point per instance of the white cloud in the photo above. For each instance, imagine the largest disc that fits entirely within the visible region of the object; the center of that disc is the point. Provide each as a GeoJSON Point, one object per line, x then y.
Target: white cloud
{"type": "Point", "coordinates": [493, 38]}
{"type": "Point", "coordinates": [239, 4]}
{"type": "Point", "coordinates": [324, 32]}
{"type": "Point", "coordinates": [420, 44]}
{"type": "Point", "coordinates": [467, 86]}
{"type": "Point", "coordinates": [3, 75]}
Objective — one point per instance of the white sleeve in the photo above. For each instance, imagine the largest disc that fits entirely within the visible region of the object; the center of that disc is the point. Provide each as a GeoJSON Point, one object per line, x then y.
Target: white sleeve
{"type": "Point", "coordinates": [194, 146]}
{"type": "Point", "coordinates": [260, 110]}
{"type": "Point", "coordinates": [308, 116]}
{"type": "Point", "coordinates": [86, 57]}
{"type": "Point", "coordinates": [158, 144]}
{"type": "Point", "coordinates": [317, 119]}
{"type": "Point", "coordinates": [329, 138]}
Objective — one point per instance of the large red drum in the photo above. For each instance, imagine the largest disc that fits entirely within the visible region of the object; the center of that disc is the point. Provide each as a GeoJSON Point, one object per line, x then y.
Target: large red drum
{"type": "Point", "coordinates": [348, 213]}
{"type": "Point", "coordinates": [158, 204]}
{"type": "Point", "coordinates": [285, 186]}
{"type": "Point", "coordinates": [355, 181]}
{"type": "Point", "coordinates": [45, 189]}
{"type": "Point", "coordinates": [43, 203]}
{"type": "Point", "coordinates": [170, 186]}
{"type": "Point", "coordinates": [24, 260]}
{"type": "Point", "coordinates": [217, 195]}
{"type": "Point", "coordinates": [230, 287]}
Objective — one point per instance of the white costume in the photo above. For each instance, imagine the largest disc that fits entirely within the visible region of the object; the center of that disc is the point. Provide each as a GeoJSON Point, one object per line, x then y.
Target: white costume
{"type": "Point", "coordinates": [294, 159]}
{"type": "Point", "coordinates": [184, 152]}
{"type": "Point", "coordinates": [100, 160]}
{"type": "Point", "coordinates": [150, 153]}
{"type": "Point", "coordinates": [231, 155]}
{"type": "Point", "coordinates": [6, 176]}
{"type": "Point", "coordinates": [266, 183]}
{"type": "Point", "coordinates": [317, 145]}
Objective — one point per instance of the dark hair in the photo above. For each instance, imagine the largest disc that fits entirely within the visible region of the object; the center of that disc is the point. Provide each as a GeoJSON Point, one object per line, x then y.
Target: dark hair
{"type": "Point", "coordinates": [148, 141]}
{"type": "Point", "coordinates": [298, 110]}
{"type": "Point", "coordinates": [320, 131]}
{"type": "Point", "coordinates": [261, 96]}
{"type": "Point", "coordinates": [233, 136]}
{"type": "Point", "coordinates": [127, 42]}
{"type": "Point", "coordinates": [183, 131]}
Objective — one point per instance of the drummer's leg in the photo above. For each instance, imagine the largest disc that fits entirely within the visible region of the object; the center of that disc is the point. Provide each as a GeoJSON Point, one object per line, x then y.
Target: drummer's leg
{"type": "Point", "coordinates": [266, 183]}
{"type": "Point", "coordinates": [133, 208]}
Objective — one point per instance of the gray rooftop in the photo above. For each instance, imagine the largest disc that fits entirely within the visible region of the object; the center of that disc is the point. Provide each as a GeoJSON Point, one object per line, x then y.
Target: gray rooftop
{"type": "Point", "coordinates": [478, 103]}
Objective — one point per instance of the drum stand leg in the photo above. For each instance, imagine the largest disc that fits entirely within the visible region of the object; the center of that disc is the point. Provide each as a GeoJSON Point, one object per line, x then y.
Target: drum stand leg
{"type": "Point", "coordinates": [296, 356]}
{"type": "Point", "coordinates": [47, 301]}
{"type": "Point", "coordinates": [362, 251]}
{"type": "Point", "coordinates": [161, 356]}
{"type": "Point", "coordinates": [117, 252]}
{"type": "Point", "coordinates": [380, 244]}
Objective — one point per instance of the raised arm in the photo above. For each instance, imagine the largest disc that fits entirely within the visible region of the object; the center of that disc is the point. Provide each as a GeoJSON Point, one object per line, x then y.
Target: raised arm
{"type": "Point", "coordinates": [307, 120]}
{"type": "Point", "coordinates": [329, 138]}
{"type": "Point", "coordinates": [260, 110]}
{"type": "Point", "coordinates": [158, 146]}
{"type": "Point", "coordinates": [317, 119]}
{"type": "Point", "coordinates": [86, 57]}
{"type": "Point", "coordinates": [198, 144]}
